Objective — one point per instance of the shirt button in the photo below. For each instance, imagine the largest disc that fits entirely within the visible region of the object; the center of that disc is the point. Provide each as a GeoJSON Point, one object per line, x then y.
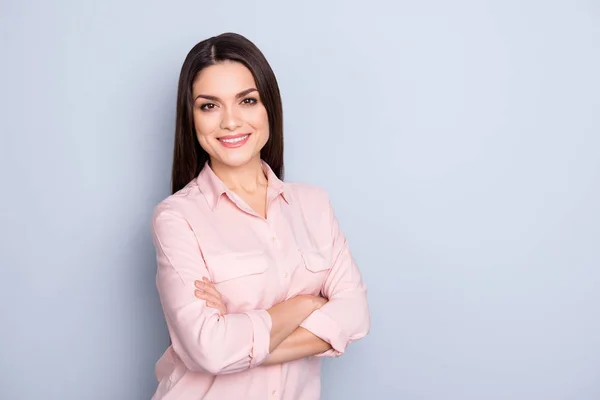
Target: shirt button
{"type": "Point", "coordinates": [285, 274]}
{"type": "Point", "coordinates": [274, 239]}
{"type": "Point", "coordinates": [274, 392]}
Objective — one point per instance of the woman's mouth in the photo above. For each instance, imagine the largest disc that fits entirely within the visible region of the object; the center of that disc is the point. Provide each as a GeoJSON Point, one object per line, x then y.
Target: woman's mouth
{"type": "Point", "coordinates": [234, 141]}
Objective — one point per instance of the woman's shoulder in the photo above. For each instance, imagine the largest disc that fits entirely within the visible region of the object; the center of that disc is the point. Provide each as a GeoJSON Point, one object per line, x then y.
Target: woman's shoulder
{"type": "Point", "coordinates": [307, 193]}
{"type": "Point", "coordinates": [181, 202]}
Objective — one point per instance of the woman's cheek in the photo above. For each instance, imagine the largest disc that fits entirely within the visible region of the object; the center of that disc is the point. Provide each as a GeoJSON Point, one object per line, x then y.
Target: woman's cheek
{"type": "Point", "coordinates": [206, 124]}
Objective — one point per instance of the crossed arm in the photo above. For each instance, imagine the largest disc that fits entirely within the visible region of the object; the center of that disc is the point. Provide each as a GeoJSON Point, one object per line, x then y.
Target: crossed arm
{"type": "Point", "coordinates": [232, 342]}
{"type": "Point", "coordinates": [286, 316]}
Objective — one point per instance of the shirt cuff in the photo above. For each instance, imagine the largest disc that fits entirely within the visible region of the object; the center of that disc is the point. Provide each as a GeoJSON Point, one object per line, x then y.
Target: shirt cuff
{"type": "Point", "coordinates": [322, 326]}
{"type": "Point", "coordinates": [261, 330]}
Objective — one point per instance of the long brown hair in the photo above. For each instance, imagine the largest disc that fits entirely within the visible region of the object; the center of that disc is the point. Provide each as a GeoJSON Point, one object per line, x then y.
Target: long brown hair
{"type": "Point", "coordinates": [188, 156]}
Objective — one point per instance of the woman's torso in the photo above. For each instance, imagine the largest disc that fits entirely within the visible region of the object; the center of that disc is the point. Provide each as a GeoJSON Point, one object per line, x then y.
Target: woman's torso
{"type": "Point", "coordinates": [254, 263]}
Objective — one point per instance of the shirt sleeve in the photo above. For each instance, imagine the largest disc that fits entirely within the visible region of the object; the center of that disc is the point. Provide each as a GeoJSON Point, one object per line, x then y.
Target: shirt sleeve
{"type": "Point", "coordinates": [204, 340]}
{"type": "Point", "coordinates": [345, 317]}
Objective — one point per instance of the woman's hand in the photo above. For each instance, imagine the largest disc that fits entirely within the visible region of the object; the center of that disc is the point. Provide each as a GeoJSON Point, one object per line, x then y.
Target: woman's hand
{"type": "Point", "coordinates": [205, 290]}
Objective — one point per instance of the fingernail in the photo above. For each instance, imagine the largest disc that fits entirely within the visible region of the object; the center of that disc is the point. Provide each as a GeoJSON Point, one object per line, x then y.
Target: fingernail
{"type": "Point", "coordinates": [198, 283]}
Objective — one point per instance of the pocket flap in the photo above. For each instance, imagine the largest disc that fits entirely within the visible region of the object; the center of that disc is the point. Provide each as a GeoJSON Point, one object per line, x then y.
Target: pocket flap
{"type": "Point", "coordinates": [227, 266]}
{"type": "Point", "coordinates": [317, 260]}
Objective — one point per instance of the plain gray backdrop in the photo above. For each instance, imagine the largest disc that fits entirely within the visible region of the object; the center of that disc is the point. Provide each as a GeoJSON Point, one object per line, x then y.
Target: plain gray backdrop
{"type": "Point", "coordinates": [459, 141]}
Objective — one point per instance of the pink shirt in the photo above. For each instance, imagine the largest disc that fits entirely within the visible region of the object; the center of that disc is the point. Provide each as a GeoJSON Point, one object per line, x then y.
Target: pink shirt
{"type": "Point", "coordinates": [207, 230]}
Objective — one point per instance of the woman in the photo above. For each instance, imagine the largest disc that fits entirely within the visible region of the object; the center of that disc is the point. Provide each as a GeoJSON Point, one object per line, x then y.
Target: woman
{"type": "Point", "coordinates": [254, 274]}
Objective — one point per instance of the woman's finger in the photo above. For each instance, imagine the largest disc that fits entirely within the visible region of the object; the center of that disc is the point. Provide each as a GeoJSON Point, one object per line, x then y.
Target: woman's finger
{"type": "Point", "coordinates": [204, 295]}
{"type": "Point", "coordinates": [208, 287]}
{"type": "Point", "coordinates": [206, 290]}
{"type": "Point", "coordinates": [211, 301]}
{"type": "Point", "coordinates": [211, 289]}
{"type": "Point", "coordinates": [211, 285]}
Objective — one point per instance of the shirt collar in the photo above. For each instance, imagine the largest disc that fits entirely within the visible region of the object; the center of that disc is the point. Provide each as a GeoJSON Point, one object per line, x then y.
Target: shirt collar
{"type": "Point", "coordinates": [213, 188]}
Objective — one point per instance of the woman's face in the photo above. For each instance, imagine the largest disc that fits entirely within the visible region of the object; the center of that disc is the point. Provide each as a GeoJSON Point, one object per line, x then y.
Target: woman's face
{"type": "Point", "coordinates": [231, 121]}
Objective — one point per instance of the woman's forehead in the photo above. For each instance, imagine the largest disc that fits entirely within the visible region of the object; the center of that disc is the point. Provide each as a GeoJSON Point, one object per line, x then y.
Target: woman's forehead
{"type": "Point", "coordinates": [223, 79]}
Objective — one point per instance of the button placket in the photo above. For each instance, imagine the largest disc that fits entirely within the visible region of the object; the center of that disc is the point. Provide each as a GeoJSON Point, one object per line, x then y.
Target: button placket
{"type": "Point", "coordinates": [276, 242]}
{"type": "Point", "coordinates": [272, 232]}
{"type": "Point", "coordinates": [274, 381]}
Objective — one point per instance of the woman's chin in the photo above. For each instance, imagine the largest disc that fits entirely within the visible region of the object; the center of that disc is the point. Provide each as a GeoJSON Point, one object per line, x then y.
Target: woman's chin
{"type": "Point", "coordinates": [237, 160]}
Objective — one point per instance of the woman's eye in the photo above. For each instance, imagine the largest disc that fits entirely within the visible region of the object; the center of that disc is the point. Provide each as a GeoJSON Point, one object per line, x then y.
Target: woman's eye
{"type": "Point", "coordinates": [207, 107]}
{"type": "Point", "coordinates": [249, 100]}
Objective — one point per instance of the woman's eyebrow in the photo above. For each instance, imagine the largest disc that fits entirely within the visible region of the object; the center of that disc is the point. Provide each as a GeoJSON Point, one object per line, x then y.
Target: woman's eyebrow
{"type": "Point", "coordinates": [215, 98]}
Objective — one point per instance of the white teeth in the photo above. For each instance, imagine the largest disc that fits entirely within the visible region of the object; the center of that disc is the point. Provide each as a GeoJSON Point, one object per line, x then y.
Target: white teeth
{"type": "Point", "coordinates": [234, 140]}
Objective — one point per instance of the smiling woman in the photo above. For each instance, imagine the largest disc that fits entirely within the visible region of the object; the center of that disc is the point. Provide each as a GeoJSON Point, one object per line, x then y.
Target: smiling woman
{"type": "Point", "coordinates": [255, 277]}
{"type": "Point", "coordinates": [219, 118]}
{"type": "Point", "coordinates": [221, 81]}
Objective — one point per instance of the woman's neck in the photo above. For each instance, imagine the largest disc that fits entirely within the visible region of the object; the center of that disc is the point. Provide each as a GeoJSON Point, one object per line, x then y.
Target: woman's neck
{"type": "Point", "coordinates": [248, 178]}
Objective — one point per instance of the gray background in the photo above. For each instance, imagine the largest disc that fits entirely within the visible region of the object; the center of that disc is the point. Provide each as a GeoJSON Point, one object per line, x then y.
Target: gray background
{"type": "Point", "coordinates": [459, 142]}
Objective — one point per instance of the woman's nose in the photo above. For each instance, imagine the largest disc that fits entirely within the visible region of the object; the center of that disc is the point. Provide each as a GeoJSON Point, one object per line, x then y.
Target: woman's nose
{"type": "Point", "coordinates": [231, 120]}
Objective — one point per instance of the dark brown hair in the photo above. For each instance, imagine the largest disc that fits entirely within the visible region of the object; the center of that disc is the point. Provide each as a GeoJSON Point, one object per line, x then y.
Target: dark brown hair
{"type": "Point", "coordinates": [188, 156]}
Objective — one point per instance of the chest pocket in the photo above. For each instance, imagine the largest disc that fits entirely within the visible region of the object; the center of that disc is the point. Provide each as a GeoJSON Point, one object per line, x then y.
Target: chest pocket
{"type": "Point", "coordinates": [315, 266]}
{"type": "Point", "coordinates": [240, 278]}
{"type": "Point", "coordinates": [317, 260]}
{"type": "Point", "coordinates": [230, 266]}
